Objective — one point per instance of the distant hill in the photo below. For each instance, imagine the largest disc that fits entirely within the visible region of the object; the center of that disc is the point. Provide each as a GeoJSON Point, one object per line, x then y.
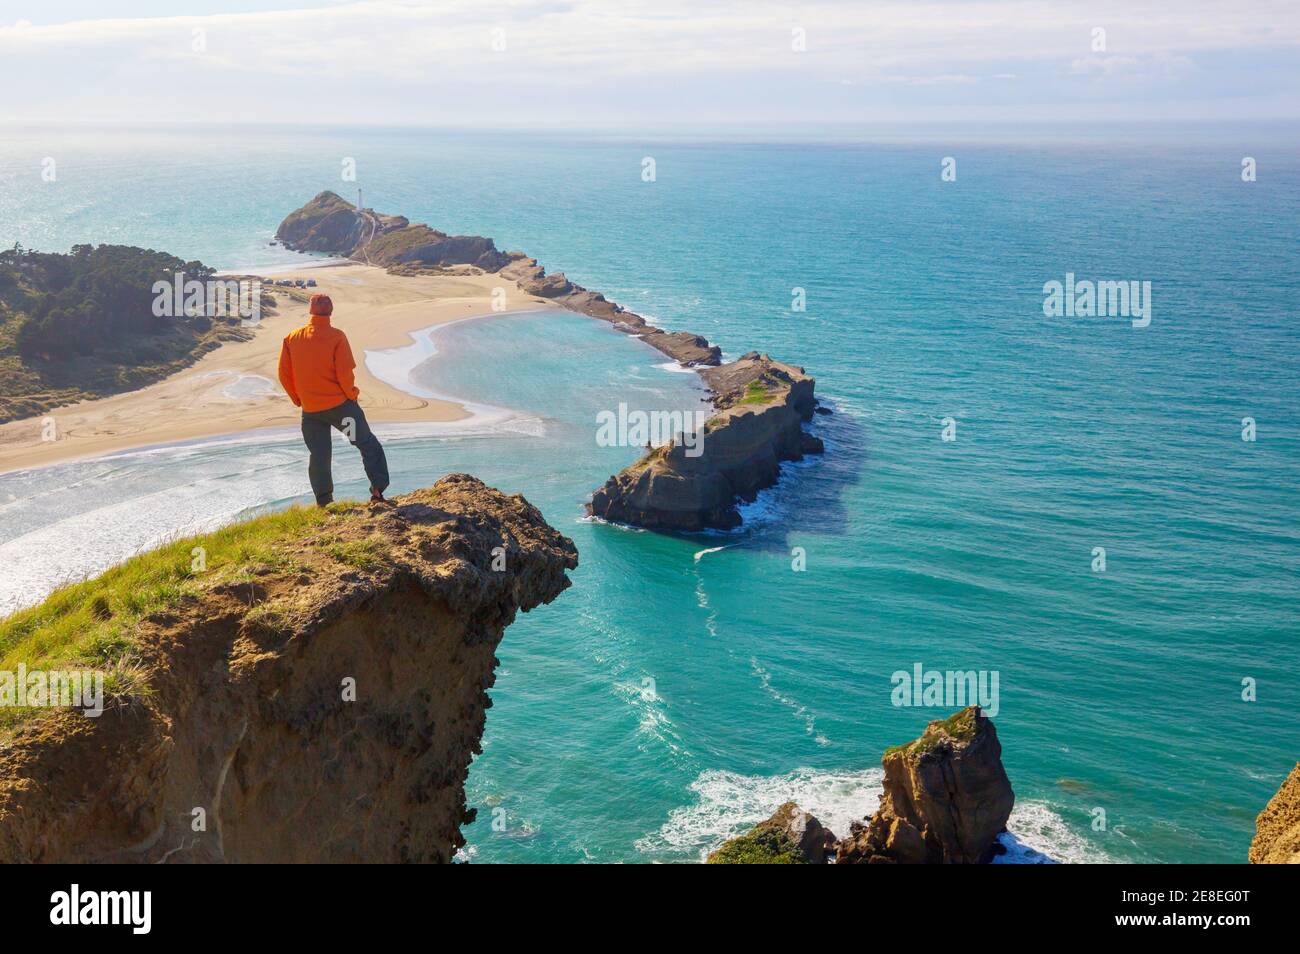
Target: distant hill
{"type": "Point", "coordinates": [329, 223]}
{"type": "Point", "coordinates": [81, 325]}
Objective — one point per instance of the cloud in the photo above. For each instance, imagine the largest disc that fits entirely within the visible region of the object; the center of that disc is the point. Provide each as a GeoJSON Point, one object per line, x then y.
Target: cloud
{"type": "Point", "coordinates": [407, 49]}
{"type": "Point", "coordinates": [1160, 65]}
{"type": "Point", "coordinates": [943, 79]}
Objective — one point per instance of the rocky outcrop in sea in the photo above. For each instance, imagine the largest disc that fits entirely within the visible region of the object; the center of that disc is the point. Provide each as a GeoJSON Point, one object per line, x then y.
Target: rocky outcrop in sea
{"type": "Point", "coordinates": [760, 407]}
{"type": "Point", "coordinates": [791, 836]}
{"type": "Point", "coordinates": [946, 799]}
{"type": "Point", "coordinates": [331, 224]}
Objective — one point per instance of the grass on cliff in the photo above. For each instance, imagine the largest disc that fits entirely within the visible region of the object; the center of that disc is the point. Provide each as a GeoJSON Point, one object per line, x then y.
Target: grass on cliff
{"type": "Point", "coordinates": [392, 244]}
{"type": "Point", "coordinates": [756, 393]}
{"type": "Point", "coordinates": [960, 727]}
{"type": "Point", "coordinates": [93, 624]}
{"type": "Point", "coordinates": [764, 845]}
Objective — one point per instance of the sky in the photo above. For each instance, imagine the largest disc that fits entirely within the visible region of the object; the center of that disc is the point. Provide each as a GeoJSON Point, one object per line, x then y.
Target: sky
{"type": "Point", "coordinates": [557, 64]}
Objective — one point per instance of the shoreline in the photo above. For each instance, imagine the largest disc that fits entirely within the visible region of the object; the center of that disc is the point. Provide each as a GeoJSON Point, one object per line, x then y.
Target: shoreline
{"type": "Point", "coordinates": [235, 390]}
{"type": "Point", "coordinates": [394, 365]}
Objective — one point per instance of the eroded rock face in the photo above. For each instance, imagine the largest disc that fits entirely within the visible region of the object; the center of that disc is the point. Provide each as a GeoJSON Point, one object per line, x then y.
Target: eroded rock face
{"type": "Point", "coordinates": [246, 717]}
{"type": "Point", "coordinates": [761, 408]}
{"type": "Point", "coordinates": [1277, 829]}
{"type": "Point", "coordinates": [946, 798]}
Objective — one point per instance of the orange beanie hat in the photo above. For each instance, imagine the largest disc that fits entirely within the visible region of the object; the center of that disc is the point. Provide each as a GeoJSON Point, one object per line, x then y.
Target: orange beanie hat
{"type": "Point", "coordinates": [321, 305]}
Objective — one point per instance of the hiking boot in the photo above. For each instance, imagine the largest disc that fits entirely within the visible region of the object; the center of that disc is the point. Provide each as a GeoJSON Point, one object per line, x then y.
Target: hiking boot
{"type": "Point", "coordinates": [377, 497]}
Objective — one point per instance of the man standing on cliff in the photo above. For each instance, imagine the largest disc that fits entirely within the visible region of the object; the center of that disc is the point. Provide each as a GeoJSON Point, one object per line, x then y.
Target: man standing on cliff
{"type": "Point", "coordinates": [316, 370]}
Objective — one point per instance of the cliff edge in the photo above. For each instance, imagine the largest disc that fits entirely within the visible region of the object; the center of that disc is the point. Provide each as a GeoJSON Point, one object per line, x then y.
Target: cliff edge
{"type": "Point", "coordinates": [314, 692]}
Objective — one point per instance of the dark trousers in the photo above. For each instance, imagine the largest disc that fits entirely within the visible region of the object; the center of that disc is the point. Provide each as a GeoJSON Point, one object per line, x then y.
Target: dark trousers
{"type": "Point", "coordinates": [351, 420]}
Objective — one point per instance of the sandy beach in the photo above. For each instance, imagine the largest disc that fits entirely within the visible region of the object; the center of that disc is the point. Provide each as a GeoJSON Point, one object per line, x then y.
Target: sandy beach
{"type": "Point", "coordinates": [235, 388]}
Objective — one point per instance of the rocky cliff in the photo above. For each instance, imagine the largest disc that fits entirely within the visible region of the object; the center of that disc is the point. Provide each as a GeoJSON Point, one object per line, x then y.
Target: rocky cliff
{"type": "Point", "coordinates": [946, 799]}
{"type": "Point", "coordinates": [322, 704]}
{"type": "Point", "coordinates": [760, 408]}
{"type": "Point", "coordinates": [1277, 829]}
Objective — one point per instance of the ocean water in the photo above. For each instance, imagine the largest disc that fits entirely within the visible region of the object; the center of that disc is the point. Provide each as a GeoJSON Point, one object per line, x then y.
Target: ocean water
{"type": "Point", "coordinates": [685, 686]}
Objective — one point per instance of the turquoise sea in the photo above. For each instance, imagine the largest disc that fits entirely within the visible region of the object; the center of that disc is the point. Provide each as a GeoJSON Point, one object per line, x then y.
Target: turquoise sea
{"type": "Point", "coordinates": [685, 686]}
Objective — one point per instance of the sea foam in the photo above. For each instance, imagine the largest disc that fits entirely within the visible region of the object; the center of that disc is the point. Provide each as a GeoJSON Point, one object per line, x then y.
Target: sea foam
{"type": "Point", "coordinates": [727, 804]}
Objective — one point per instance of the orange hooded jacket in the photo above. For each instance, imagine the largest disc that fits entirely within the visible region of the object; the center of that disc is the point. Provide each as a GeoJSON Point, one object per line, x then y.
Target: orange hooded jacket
{"type": "Point", "coordinates": [316, 366]}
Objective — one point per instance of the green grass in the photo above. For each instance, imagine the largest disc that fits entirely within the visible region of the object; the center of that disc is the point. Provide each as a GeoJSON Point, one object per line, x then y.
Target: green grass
{"type": "Point", "coordinates": [93, 623]}
{"type": "Point", "coordinates": [270, 616]}
{"type": "Point", "coordinates": [765, 845]}
{"type": "Point", "coordinates": [960, 726]}
{"type": "Point", "coordinates": [362, 554]}
{"type": "Point", "coordinates": [755, 393]}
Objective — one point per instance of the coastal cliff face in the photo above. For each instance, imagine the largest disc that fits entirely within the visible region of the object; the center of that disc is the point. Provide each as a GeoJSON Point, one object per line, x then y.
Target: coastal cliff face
{"type": "Point", "coordinates": [1277, 829]}
{"type": "Point", "coordinates": [761, 406]}
{"type": "Point", "coordinates": [946, 799]}
{"type": "Point", "coordinates": [324, 707]}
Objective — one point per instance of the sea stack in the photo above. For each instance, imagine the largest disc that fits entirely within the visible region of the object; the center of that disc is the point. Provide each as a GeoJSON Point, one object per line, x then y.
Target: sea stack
{"type": "Point", "coordinates": [329, 223]}
{"type": "Point", "coordinates": [321, 704]}
{"type": "Point", "coordinates": [946, 798]}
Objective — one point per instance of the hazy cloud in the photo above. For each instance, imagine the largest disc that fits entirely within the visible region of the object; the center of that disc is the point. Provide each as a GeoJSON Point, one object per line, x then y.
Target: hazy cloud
{"type": "Point", "coordinates": [669, 57]}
